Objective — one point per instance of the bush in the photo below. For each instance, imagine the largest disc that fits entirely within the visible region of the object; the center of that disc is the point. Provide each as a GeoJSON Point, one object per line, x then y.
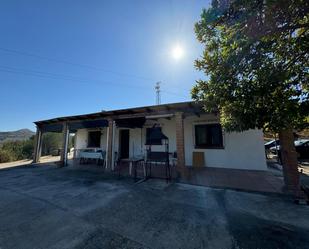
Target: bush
{"type": "Point", "coordinates": [17, 150]}
{"type": "Point", "coordinates": [5, 156]}
{"type": "Point", "coordinates": [28, 149]}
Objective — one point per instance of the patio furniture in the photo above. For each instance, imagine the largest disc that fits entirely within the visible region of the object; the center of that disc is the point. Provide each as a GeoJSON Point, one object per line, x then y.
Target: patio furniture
{"type": "Point", "coordinates": [134, 162]}
{"type": "Point", "coordinates": [89, 154]}
{"type": "Point", "coordinates": [118, 164]}
{"type": "Point", "coordinates": [155, 158]}
{"type": "Point", "coordinates": [103, 158]}
{"type": "Point", "coordinates": [173, 159]}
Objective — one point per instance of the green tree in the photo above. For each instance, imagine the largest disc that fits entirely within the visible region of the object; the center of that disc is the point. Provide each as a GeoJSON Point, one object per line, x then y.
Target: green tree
{"type": "Point", "coordinates": [28, 148]}
{"type": "Point", "coordinates": [17, 150]}
{"type": "Point", "coordinates": [256, 61]}
{"type": "Point", "coordinates": [5, 156]}
{"type": "Point", "coordinates": [51, 141]}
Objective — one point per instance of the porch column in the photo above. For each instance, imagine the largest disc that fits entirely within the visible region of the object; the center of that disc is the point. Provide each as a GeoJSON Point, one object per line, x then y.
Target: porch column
{"type": "Point", "coordinates": [180, 143]}
{"type": "Point", "coordinates": [65, 141]}
{"type": "Point", "coordinates": [289, 163]}
{"type": "Point", "coordinates": [109, 151]}
{"type": "Point", "coordinates": [38, 145]}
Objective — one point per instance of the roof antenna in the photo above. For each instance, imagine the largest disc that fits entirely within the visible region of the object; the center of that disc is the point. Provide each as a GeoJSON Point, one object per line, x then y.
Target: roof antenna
{"type": "Point", "coordinates": [158, 93]}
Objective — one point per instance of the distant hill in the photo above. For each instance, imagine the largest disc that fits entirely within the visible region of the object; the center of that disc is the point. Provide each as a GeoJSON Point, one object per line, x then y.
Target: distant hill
{"type": "Point", "coordinates": [22, 134]}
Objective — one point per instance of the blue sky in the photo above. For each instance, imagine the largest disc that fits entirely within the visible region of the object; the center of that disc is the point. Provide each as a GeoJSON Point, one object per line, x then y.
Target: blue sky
{"type": "Point", "coordinates": [60, 58]}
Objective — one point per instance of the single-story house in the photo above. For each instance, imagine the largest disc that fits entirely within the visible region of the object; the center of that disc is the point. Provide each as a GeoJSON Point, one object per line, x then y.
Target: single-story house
{"type": "Point", "coordinates": [195, 137]}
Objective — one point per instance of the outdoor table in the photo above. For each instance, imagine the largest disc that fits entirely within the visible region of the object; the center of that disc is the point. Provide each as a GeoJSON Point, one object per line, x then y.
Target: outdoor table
{"type": "Point", "coordinates": [133, 161]}
{"type": "Point", "coordinates": [91, 155]}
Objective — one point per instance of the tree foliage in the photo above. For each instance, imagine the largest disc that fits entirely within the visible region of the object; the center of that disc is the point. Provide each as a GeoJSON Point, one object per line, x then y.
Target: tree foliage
{"type": "Point", "coordinates": [256, 59]}
{"type": "Point", "coordinates": [16, 150]}
{"type": "Point", "coordinates": [51, 141]}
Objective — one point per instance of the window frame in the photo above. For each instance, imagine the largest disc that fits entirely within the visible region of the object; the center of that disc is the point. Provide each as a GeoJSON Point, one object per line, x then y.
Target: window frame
{"type": "Point", "coordinates": [208, 146]}
{"type": "Point", "coordinates": [94, 131]}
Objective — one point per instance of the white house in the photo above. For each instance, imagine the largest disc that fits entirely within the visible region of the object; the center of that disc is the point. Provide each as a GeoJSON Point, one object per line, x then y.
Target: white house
{"type": "Point", "coordinates": [196, 138]}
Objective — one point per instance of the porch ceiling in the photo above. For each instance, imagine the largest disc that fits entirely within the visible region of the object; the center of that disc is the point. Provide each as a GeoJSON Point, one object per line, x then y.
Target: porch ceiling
{"type": "Point", "coordinates": [131, 122]}
{"type": "Point", "coordinates": [185, 107]}
{"type": "Point", "coordinates": [74, 126]}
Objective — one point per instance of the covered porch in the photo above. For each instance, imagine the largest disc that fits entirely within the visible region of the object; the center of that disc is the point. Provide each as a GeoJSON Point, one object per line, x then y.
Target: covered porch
{"type": "Point", "coordinates": [141, 147]}
{"type": "Point", "coordinates": [122, 141]}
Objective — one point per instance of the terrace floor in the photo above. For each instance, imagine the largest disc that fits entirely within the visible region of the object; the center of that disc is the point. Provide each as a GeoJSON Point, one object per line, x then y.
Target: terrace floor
{"type": "Point", "coordinates": [270, 181]}
{"type": "Point", "coordinates": [43, 206]}
{"type": "Point", "coordinates": [247, 180]}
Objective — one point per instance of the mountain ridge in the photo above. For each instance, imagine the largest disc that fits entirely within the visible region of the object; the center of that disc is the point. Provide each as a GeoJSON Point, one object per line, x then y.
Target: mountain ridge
{"type": "Point", "coordinates": [18, 135]}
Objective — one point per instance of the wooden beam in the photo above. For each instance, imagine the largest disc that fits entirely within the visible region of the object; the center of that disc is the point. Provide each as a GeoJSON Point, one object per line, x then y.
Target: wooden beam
{"type": "Point", "coordinates": [109, 145]}
{"type": "Point", "coordinates": [65, 142]}
{"type": "Point", "coordinates": [180, 144]}
{"type": "Point", "coordinates": [38, 145]}
{"type": "Point", "coordinates": [148, 110]}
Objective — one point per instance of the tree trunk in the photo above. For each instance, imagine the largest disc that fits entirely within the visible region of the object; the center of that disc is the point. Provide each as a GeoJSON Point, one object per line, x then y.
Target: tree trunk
{"type": "Point", "coordinates": [289, 161]}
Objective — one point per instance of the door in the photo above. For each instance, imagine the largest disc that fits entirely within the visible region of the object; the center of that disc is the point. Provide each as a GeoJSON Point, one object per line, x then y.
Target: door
{"type": "Point", "coordinates": [124, 142]}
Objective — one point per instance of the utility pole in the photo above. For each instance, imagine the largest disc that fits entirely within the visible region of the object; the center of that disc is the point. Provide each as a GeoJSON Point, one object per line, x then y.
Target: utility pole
{"type": "Point", "coordinates": [158, 93]}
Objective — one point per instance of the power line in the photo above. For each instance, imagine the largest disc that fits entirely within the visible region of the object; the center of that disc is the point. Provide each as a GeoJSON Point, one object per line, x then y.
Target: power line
{"type": "Point", "coordinates": [40, 72]}
{"type": "Point", "coordinates": [48, 75]}
{"type": "Point", "coordinates": [73, 63]}
{"type": "Point", "coordinates": [59, 77]}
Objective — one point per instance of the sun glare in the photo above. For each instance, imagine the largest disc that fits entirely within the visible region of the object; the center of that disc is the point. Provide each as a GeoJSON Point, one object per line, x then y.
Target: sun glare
{"type": "Point", "coordinates": [177, 52]}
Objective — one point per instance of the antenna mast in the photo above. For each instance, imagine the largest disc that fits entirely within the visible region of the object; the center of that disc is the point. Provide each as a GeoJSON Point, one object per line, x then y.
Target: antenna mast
{"type": "Point", "coordinates": [158, 93]}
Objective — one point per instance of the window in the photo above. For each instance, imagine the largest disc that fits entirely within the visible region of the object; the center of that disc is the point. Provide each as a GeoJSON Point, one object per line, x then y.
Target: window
{"type": "Point", "coordinates": [94, 138]}
{"type": "Point", "coordinates": [208, 136]}
{"type": "Point", "coordinates": [152, 140]}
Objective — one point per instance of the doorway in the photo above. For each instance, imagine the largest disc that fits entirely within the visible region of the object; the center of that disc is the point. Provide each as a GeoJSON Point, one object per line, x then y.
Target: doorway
{"type": "Point", "coordinates": [124, 143]}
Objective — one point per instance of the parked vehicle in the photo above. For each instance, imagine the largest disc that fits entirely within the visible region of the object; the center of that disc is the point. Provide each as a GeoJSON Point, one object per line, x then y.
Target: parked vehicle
{"type": "Point", "coordinates": [301, 146]}
{"type": "Point", "coordinates": [271, 144]}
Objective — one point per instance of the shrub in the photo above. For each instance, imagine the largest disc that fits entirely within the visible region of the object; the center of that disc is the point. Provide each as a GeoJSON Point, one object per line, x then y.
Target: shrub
{"type": "Point", "coordinates": [16, 150]}
{"type": "Point", "coordinates": [5, 156]}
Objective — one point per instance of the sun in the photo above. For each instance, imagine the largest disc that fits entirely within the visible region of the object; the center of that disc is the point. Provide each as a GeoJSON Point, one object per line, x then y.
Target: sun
{"type": "Point", "coordinates": [177, 52]}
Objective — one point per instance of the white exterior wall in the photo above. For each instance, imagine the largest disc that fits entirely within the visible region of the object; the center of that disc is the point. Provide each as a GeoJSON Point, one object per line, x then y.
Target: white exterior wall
{"type": "Point", "coordinates": [138, 137]}
{"type": "Point", "coordinates": [243, 150]}
{"type": "Point", "coordinates": [81, 139]}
